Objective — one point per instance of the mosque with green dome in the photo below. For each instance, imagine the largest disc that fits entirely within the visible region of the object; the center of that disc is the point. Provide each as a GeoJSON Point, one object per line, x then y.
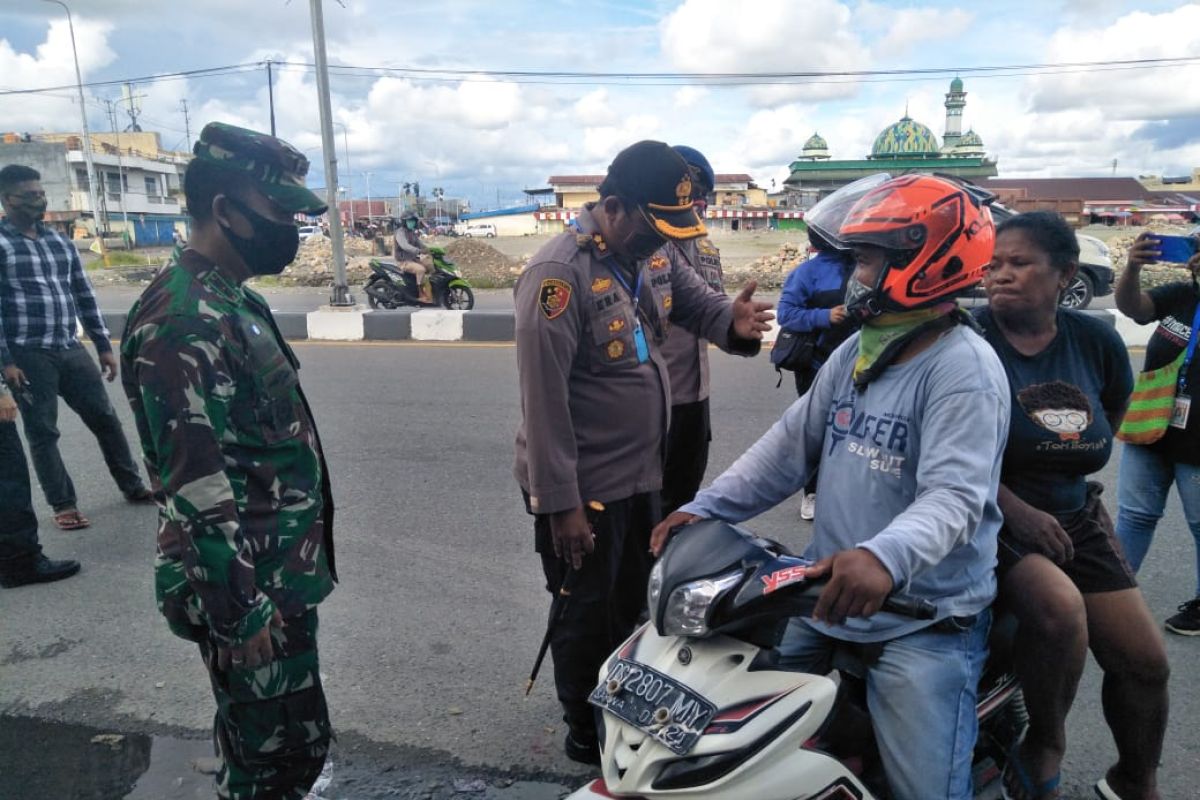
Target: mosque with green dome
{"type": "Point", "coordinates": [904, 146]}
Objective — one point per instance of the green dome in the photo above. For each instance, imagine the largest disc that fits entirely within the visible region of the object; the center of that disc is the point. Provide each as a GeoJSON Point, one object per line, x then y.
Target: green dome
{"type": "Point", "coordinates": [970, 139]}
{"type": "Point", "coordinates": [956, 85]}
{"type": "Point", "coordinates": [906, 138]}
{"type": "Point", "coordinates": [815, 142]}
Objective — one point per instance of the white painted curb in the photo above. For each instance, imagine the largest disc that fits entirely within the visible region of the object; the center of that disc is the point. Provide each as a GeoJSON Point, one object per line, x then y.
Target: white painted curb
{"type": "Point", "coordinates": [336, 325]}
{"type": "Point", "coordinates": [437, 326]}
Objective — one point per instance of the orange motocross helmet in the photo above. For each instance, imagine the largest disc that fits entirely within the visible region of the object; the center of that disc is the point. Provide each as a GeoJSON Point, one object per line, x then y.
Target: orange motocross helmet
{"type": "Point", "coordinates": [939, 235]}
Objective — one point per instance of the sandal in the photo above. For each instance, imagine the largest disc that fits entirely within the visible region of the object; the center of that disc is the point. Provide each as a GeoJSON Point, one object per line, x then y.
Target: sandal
{"type": "Point", "coordinates": [1015, 783]}
{"type": "Point", "coordinates": [71, 520]}
{"type": "Point", "coordinates": [1104, 791]}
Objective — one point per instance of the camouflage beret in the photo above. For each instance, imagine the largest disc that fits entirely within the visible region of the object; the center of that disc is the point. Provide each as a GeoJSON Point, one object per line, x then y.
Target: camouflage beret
{"type": "Point", "coordinates": [277, 168]}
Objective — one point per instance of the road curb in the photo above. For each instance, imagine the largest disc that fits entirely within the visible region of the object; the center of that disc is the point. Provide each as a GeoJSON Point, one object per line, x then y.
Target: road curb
{"type": "Point", "coordinates": [436, 325]}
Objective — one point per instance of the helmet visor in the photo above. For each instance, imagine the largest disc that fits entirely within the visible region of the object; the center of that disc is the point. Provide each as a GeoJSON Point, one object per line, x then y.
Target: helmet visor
{"type": "Point", "coordinates": [828, 215]}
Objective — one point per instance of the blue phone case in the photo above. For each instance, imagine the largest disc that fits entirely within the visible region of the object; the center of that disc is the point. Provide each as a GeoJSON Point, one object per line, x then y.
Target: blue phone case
{"type": "Point", "coordinates": [1176, 249]}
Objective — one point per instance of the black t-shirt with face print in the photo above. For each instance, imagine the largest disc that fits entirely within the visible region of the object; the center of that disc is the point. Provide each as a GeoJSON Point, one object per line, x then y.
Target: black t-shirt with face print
{"type": "Point", "coordinates": [1175, 309]}
{"type": "Point", "coordinates": [1064, 401]}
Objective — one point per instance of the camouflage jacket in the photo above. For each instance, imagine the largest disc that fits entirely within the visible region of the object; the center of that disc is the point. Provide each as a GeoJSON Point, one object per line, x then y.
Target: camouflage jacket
{"type": "Point", "coordinates": [245, 515]}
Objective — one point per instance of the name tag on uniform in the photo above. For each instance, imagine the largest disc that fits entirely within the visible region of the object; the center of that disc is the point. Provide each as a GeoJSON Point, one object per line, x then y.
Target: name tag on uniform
{"type": "Point", "coordinates": [1179, 414]}
{"type": "Point", "coordinates": [639, 341]}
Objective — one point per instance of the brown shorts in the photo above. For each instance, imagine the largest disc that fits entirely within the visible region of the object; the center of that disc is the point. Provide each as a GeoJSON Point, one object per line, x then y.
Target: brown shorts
{"type": "Point", "coordinates": [1098, 565]}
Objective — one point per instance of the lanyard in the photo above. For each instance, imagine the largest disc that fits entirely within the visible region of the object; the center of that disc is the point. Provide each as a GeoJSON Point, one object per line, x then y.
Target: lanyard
{"type": "Point", "coordinates": [1191, 349]}
{"type": "Point", "coordinates": [635, 294]}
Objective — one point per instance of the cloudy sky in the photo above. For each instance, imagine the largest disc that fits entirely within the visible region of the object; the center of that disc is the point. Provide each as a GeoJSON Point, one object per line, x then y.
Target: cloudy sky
{"type": "Point", "coordinates": [487, 138]}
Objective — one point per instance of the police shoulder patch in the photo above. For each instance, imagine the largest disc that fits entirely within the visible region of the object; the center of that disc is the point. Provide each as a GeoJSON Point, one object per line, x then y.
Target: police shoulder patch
{"type": "Point", "coordinates": [554, 297]}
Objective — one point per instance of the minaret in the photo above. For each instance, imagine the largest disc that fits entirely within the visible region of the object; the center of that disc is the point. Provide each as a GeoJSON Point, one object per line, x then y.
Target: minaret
{"type": "Point", "coordinates": [956, 101]}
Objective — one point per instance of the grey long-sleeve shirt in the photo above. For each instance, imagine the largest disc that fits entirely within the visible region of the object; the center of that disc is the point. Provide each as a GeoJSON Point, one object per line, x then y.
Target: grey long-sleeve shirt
{"type": "Point", "coordinates": [594, 418]}
{"type": "Point", "coordinates": [909, 471]}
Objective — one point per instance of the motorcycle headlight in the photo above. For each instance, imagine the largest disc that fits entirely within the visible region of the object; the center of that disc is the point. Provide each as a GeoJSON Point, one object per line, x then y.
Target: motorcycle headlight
{"type": "Point", "coordinates": [688, 606]}
{"type": "Point", "coordinates": [654, 587]}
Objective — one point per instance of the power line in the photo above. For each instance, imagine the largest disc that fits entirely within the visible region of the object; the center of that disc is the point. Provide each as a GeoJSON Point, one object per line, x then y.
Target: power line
{"type": "Point", "coordinates": [560, 77]}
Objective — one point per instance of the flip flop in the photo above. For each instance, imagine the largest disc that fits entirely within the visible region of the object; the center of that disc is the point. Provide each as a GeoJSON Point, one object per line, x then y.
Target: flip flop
{"type": "Point", "coordinates": [1025, 788]}
{"type": "Point", "coordinates": [1104, 791]}
{"type": "Point", "coordinates": [71, 520]}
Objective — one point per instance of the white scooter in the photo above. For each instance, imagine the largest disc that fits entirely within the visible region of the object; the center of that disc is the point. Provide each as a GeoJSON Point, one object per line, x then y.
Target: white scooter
{"type": "Point", "coordinates": [695, 706]}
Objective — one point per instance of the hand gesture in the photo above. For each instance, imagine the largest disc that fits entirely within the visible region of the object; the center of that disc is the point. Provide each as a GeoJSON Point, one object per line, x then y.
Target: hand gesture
{"type": "Point", "coordinates": [1144, 251]}
{"type": "Point", "coordinates": [255, 652]}
{"type": "Point", "coordinates": [658, 537]}
{"type": "Point", "coordinates": [572, 536]}
{"type": "Point", "coordinates": [837, 315]}
{"type": "Point", "coordinates": [751, 318]}
{"type": "Point", "coordinates": [858, 585]}
{"type": "Point", "coordinates": [8, 408]}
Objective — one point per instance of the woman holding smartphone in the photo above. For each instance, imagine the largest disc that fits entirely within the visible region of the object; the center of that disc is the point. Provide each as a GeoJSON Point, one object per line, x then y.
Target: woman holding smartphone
{"type": "Point", "coordinates": [1148, 471]}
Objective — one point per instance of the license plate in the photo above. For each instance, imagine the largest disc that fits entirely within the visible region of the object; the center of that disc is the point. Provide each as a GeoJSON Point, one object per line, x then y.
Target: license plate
{"type": "Point", "coordinates": [671, 713]}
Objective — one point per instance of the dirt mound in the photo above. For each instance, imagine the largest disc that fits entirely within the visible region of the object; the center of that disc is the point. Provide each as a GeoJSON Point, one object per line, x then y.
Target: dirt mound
{"type": "Point", "coordinates": [1155, 274]}
{"type": "Point", "coordinates": [314, 262]}
{"type": "Point", "coordinates": [480, 263]}
{"type": "Point", "coordinates": [770, 271]}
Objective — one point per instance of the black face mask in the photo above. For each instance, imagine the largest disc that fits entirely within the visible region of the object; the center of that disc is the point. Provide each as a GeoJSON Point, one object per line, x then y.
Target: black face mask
{"type": "Point", "coordinates": [273, 245]}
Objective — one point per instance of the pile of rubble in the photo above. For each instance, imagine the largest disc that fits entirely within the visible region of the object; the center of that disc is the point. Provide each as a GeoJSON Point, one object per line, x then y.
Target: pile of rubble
{"type": "Point", "coordinates": [314, 262]}
{"type": "Point", "coordinates": [769, 271]}
{"type": "Point", "coordinates": [480, 263]}
{"type": "Point", "coordinates": [1154, 274]}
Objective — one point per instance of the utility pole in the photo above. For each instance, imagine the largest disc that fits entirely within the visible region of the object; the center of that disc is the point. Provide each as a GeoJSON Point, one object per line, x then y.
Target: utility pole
{"type": "Point", "coordinates": [341, 292]}
{"type": "Point", "coordinates": [87, 141]}
{"type": "Point", "coordinates": [368, 197]}
{"type": "Point", "coordinates": [112, 118]}
{"type": "Point", "coordinates": [187, 126]}
{"type": "Point", "coordinates": [271, 93]}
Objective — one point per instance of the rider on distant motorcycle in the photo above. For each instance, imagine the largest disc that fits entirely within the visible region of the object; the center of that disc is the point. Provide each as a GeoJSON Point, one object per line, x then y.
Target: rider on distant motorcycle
{"type": "Point", "coordinates": [411, 254]}
{"type": "Point", "coordinates": [908, 419]}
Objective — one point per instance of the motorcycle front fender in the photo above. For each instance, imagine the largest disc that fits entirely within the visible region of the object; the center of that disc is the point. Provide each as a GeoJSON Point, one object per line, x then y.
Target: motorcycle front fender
{"type": "Point", "coordinates": [459, 282]}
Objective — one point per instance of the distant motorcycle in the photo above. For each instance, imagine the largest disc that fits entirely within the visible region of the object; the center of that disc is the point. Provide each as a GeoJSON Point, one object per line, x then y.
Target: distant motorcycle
{"type": "Point", "coordinates": [391, 287]}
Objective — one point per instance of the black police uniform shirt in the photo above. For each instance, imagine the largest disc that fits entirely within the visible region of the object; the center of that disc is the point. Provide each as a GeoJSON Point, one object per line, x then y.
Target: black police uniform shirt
{"type": "Point", "coordinates": [1175, 309]}
{"type": "Point", "coordinates": [1063, 402]}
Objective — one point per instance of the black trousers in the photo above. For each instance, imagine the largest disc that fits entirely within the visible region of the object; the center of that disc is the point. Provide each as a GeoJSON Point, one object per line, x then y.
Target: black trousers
{"type": "Point", "coordinates": [73, 374]}
{"type": "Point", "coordinates": [687, 454]}
{"type": "Point", "coordinates": [608, 599]}
{"type": "Point", "coordinates": [18, 524]}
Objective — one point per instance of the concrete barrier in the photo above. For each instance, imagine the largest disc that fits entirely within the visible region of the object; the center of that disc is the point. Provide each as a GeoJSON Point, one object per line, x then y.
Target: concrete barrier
{"type": "Point", "coordinates": [437, 325]}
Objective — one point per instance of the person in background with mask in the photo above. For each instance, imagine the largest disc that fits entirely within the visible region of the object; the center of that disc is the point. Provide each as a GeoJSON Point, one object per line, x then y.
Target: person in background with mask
{"type": "Point", "coordinates": [245, 533]}
{"type": "Point", "coordinates": [44, 295]}
{"type": "Point", "coordinates": [687, 354]}
{"type": "Point", "coordinates": [592, 310]}
{"type": "Point", "coordinates": [410, 254]}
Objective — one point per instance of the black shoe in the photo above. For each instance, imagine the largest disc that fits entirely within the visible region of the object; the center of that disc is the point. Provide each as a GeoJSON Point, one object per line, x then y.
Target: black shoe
{"type": "Point", "coordinates": [41, 570]}
{"type": "Point", "coordinates": [140, 495]}
{"type": "Point", "coordinates": [581, 748]}
{"type": "Point", "coordinates": [1187, 621]}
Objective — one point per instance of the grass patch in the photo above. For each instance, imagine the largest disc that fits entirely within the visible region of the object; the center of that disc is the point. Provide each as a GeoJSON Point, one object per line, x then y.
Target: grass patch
{"type": "Point", "coordinates": [122, 258]}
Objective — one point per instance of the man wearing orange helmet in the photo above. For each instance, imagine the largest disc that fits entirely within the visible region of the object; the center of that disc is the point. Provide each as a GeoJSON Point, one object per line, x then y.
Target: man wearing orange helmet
{"type": "Point", "coordinates": [908, 419]}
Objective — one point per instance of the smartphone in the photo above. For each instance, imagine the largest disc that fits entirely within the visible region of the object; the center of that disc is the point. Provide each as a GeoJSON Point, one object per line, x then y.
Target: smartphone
{"type": "Point", "coordinates": [1177, 249]}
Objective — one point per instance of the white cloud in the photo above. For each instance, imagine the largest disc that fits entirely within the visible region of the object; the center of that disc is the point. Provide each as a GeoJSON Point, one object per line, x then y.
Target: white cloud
{"type": "Point", "coordinates": [51, 64]}
{"type": "Point", "coordinates": [903, 29]}
{"type": "Point", "coordinates": [593, 109]}
{"type": "Point", "coordinates": [600, 144]}
{"type": "Point", "coordinates": [766, 36]}
{"type": "Point", "coordinates": [688, 97]}
{"type": "Point", "coordinates": [1126, 94]}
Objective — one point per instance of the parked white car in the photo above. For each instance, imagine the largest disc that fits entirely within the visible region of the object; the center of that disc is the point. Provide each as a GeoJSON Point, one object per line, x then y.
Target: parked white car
{"type": "Point", "coordinates": [483, 229]}
{"type": "Point", "coordinates": [310, 230]}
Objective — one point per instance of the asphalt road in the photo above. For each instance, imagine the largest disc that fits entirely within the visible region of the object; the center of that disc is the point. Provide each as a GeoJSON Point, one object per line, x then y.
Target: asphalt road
{"type": "Point", "coordinates": [427, 641]}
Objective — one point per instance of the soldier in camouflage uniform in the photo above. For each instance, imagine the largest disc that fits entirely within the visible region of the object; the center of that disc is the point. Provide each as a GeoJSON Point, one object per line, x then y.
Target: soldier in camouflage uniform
{"type": "Point", "coordinates": [245, 550]}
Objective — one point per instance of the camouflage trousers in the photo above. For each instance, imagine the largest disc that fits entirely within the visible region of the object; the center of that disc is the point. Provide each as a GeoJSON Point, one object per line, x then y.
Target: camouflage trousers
{"type": "Point", "coordinates": [272, 726]}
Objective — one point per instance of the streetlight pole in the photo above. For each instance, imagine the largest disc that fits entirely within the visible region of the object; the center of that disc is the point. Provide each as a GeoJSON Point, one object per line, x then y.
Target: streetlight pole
{"type": "Point", "coordinates": [87, 138]}
{"type": "Point", "coordinates": [349, 173]}
{"type": "Point", "coordinates": [341, 292]}
{"type": "Point", "coordinates": [368, 197]}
